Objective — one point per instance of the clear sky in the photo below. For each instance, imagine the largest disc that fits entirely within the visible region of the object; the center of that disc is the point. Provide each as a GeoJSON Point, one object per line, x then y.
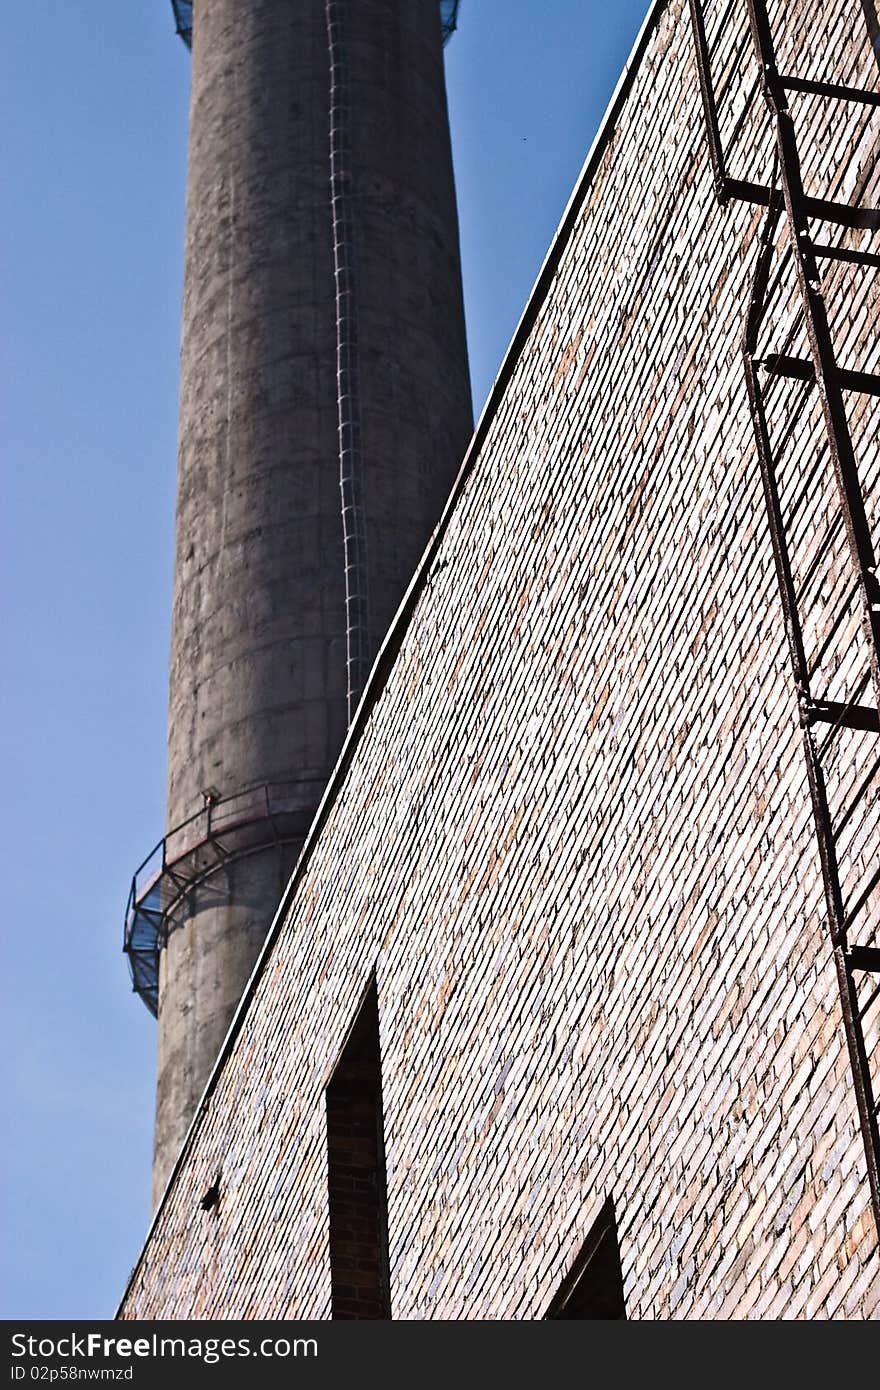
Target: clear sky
{"type": "Point", "coordinates": [93, 105]}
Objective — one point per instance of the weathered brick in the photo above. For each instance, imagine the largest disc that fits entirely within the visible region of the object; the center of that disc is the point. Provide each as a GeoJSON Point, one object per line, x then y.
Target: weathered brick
{"type": "Point", "coordinates": [573, 837]}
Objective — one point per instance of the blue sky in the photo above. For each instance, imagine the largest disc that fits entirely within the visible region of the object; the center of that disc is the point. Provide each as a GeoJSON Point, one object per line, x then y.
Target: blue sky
{"type": "Point", "coordinates": [93, 103]}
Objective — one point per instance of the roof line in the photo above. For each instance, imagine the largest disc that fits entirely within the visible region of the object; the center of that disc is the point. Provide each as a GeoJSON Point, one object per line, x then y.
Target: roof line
{"type": "Point", "coordinates": [390, 647]}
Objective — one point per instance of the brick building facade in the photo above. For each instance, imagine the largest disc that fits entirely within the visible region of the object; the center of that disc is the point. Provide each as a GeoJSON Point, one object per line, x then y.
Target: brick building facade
{"type": "Point", "coordinates": [567, 862]}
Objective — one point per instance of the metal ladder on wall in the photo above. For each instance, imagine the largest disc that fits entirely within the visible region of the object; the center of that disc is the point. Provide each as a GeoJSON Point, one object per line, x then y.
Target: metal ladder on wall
{"type": "Point", "coordinates": [857, 964]}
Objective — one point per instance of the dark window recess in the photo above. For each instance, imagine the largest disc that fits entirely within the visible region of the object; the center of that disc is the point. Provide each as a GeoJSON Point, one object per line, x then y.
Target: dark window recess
{"type": "Point", "coordinates": [356, 1174]}
{"type": "Point", "coordinates": [593, 1287]}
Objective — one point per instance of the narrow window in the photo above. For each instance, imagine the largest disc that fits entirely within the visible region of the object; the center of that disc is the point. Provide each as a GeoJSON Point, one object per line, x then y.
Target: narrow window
{"type": "Point", "coordinates": [593, 1287]}
{"type": "Point", "coordinates": [359, 1278]}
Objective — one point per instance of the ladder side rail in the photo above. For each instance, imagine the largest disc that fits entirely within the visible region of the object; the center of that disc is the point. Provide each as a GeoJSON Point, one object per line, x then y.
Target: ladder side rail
{"type": "Point", "coordinates": [819, 336]}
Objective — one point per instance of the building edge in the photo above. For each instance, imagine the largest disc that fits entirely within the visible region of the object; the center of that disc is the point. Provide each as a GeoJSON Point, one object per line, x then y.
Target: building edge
{"type": "Point", "coordinates": [391, 643]}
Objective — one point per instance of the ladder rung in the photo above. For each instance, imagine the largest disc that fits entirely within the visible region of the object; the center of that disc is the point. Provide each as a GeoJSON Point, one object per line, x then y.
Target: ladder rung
{"type": "Point", "coordinates": [802, 369]}
{"type": "Point", "coordinates": [747, 192]}
{"type": "Point", "coordinates": [846, 253]}
{"type": "Point", "coordinates": [830, 89]}
{"type": "Point", "coordinates": [798, 368]}
{"type": "Point", "coordinates": [863, 958]}
{"type": "Point", "coordinates": [868, 383]}
{"type": "Point", "coordinates": [862, 219]}
{"type": "Point", "coordinates": [847, 716]}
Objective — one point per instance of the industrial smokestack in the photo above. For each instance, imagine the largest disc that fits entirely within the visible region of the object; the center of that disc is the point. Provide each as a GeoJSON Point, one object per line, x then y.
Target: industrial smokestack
{"type": "Point", "coordinates": [324, 408]}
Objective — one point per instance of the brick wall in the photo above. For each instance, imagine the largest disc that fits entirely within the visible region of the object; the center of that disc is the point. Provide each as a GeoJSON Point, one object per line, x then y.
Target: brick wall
{"type": "Point", "coordinates": [572, 836]}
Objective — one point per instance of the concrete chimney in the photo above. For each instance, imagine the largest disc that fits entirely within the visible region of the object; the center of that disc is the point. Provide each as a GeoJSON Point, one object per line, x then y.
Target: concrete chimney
{"type": "Point", "coordinates": [324, 409]}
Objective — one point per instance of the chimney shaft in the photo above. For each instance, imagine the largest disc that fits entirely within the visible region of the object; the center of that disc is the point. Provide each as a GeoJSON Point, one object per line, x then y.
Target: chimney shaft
{"type": "Point", "coordinates": [324, 408]}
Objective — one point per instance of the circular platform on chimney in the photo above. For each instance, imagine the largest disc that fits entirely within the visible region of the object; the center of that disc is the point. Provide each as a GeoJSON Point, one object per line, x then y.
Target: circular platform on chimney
{"type": "Point", "coordinates": [226, 829]}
